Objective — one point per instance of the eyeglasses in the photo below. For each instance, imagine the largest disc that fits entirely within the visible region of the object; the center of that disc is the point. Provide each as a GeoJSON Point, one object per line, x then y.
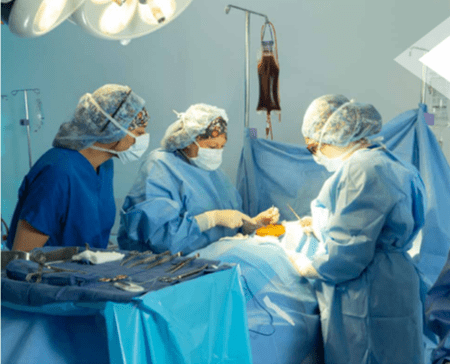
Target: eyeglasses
{"type": "Point", "coordinates": [312, 148]}
{"type": "Point", "coordinates": [140, 120]}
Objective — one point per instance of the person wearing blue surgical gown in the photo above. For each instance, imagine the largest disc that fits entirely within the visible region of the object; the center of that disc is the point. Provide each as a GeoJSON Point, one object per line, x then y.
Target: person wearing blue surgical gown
{"type": "Point", "coordinates": [67, 197]}
{"type": "Point", "coordinates": [181, 200]}
{"type": "Point", "coordinates": [366, 216]}
{"type": "Point", "coordinates": [437, 313]}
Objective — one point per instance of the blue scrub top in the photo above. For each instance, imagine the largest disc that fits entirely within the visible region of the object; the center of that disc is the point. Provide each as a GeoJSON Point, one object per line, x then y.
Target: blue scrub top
{"type": "Point", "coordinates": [159, 211]}
{"type": "Point", "coordinates": [63, 197]}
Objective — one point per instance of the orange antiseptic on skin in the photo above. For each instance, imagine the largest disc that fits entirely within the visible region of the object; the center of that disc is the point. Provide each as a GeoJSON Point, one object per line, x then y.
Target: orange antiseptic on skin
{"type": "Point", "coordinates": [271, 230]}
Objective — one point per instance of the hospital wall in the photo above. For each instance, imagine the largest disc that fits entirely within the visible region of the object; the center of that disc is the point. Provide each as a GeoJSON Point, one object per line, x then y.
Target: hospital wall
{"type": "Point", "coordinates": [324, 46]}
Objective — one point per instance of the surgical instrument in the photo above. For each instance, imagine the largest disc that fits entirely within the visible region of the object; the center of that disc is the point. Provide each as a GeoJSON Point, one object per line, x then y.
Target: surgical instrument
{"type": "Point", "coordinates": [148, 259]}
{"type": "Point", "coordinates": [129, 286]}
{"type": "Point", "coordinates": [116, 278]}
{"type": "Point", "coordinates": [182, 263]}
{"type": "Point", "coordinates": [133, 254]}
{"type": "Point", "coordinates": [298, 217]}
{"type": "Point", "coordinates": [163, 260]}
{"type": "Point", "coordinates": [40, 272]}
{"type": "Point", "coordinates": [168, 279]}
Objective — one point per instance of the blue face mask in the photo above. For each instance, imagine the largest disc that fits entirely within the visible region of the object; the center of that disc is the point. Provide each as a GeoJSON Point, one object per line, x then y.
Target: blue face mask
{"type": "Point", "coordinates": [208, 159]}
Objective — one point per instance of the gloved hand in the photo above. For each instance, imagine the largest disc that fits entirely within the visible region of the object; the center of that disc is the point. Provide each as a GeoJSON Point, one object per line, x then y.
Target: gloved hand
{"type": "Point", "coordinates": [229, 218]}
{"type": "Point", "coordinates": [306, 224]}
{"type": "Point", "coordinates": [268, 217]}
{"type": "Point", "coordinates": [303, 265]}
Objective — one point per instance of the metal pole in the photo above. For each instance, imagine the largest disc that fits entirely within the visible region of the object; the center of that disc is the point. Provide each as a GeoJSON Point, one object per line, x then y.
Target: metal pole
{"type": "Point", "coordinates": [424, 73]}
{"type": "Point", "coordinates": [424, 78]}
{"type": "Point", "coordinates": [28, 127]}
{"type": "Point", "coordinates": [247, 58]}
{"type": "Point", "coordinates": [247, 70]}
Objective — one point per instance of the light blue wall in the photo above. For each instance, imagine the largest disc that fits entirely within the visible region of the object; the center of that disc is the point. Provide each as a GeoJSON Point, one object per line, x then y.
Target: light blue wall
{"type": "Point", "coordinates": [325, 46]}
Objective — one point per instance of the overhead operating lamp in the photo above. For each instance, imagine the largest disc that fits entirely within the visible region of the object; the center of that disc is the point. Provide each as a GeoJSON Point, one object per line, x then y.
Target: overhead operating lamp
{"type": "Point", "coordinates": [111, 19]}
{"type": "Point", "coordinates": [33, 18]}
{"type": "Point", "coordinates": [127, 19]}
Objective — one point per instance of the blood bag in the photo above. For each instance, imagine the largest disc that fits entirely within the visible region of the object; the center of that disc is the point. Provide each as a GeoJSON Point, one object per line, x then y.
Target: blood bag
{"type": "Point", "coordinates": [268, 74]}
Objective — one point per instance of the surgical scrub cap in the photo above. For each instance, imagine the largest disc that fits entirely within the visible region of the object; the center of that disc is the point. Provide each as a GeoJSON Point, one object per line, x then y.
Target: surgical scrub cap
{"type": "Point", "coordinates": [88, 125]}
{"type": "Point", "coordinates": [189, 125]}
{"type": "Point", "coordinates": [335, 120]}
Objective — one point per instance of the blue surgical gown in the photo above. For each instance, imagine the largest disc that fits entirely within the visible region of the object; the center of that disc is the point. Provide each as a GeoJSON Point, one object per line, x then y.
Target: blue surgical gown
{"type": "Point", "coordinates": [64, 197]}
{"type": "Point", "coordinates": [158, 213]}
{"type": "Point", "coordinates": [438, 314]}
{"type": "Point", "coordinates": [368, 290]}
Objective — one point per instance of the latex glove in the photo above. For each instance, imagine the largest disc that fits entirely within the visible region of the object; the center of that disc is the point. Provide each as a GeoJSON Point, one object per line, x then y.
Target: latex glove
{"type": "Point", "coordinates": [268, 217]}
{"type": "Point", "coordinates": [303, 265]}
{"type": "Point", "coordinates": [229, 218]}
{"type": "Point", "coordinates": [306, 224]}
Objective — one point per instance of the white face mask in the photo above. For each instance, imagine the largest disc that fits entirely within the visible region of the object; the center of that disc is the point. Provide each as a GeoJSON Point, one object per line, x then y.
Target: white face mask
{"type": "Point", "coordinates": [135, 151]}
{"type": "Point", "coordinates": [332, 164]}
{"type": "Point", "coordinates": [208, 159]}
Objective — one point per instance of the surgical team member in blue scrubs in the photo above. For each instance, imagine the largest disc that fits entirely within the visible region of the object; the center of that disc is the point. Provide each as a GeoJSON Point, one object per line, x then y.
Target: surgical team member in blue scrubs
{"type": "Point", "coordinates": [437, 308]}
{"type": "Point", "coordinates": [67, 197]}
{"type": "Point", "coordinates": [367, 216]}
{"type": "Point", "coordinates": [181, 200]}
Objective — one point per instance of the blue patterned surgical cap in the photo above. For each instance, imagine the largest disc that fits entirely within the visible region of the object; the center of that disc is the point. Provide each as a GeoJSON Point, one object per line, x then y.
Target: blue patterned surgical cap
{"type": "Point", "coordinates": [88, 125]}
{"type": "Point", "coordinates": [335, 120]}
{"type": "Point", "coordinates": [189, 125]}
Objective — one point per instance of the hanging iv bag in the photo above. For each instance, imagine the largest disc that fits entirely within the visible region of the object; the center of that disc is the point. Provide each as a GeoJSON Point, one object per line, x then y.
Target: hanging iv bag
{"type": "Point", "coordinates": [438, 87]}
{"type": "Point", "coordinates": [268, 72]}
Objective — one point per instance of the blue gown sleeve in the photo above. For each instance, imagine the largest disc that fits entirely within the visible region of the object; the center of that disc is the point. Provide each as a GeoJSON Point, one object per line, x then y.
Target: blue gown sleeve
{"type": "Point", "coordinates": [155, 213]}
{"type": "Point", "coordinates": [45, 201]}
{"type": "Point", "coordinates": [359, 204]}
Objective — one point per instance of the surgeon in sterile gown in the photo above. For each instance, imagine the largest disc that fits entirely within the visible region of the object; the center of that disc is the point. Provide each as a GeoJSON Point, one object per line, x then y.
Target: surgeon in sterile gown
{"type": "Point", "coordinates": [181, 200]}
{"type": "Point", "coordinates": [366, 215]}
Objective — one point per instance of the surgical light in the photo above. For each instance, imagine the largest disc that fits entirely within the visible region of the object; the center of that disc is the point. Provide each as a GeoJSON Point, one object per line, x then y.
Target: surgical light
{"type": "Point", "coordinates": [32, 18]}
{"type": "Point", "coordinates": [48, 14]}
{"type": "Point", "coordinates": [156, 11]}
{"type": "Point", "coordinates": [115, 18]}
{"type": "Point", "coordinates": [111, 19]}
{"type": "Point", "coordinates": [137, 17]}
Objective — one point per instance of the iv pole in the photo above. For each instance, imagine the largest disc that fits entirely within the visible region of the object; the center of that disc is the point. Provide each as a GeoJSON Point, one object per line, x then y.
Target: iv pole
{"type": "Point", "coordinates": [247, 57]}
{"type": "Point", "coordinates": [26, 121]}
{"type": "Point", "coordinates": [424, 74]}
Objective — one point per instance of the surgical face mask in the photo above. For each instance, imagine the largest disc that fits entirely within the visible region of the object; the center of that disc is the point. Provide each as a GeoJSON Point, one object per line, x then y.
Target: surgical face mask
{"type": "Point", "coordinates": [134, 152]}
{"type": "Point", "coordinates": [332, 164]}
{"type": "Point", "coordinates": [208, 159]}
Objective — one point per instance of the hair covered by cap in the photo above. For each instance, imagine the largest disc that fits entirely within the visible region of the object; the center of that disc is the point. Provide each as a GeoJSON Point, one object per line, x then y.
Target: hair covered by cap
{"type": "Point", "coordinates": [88, 124]}
{"type": "Point", "coordinates": [333, 119]}
{"type": "Point", "coordinates": [189, 125]}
